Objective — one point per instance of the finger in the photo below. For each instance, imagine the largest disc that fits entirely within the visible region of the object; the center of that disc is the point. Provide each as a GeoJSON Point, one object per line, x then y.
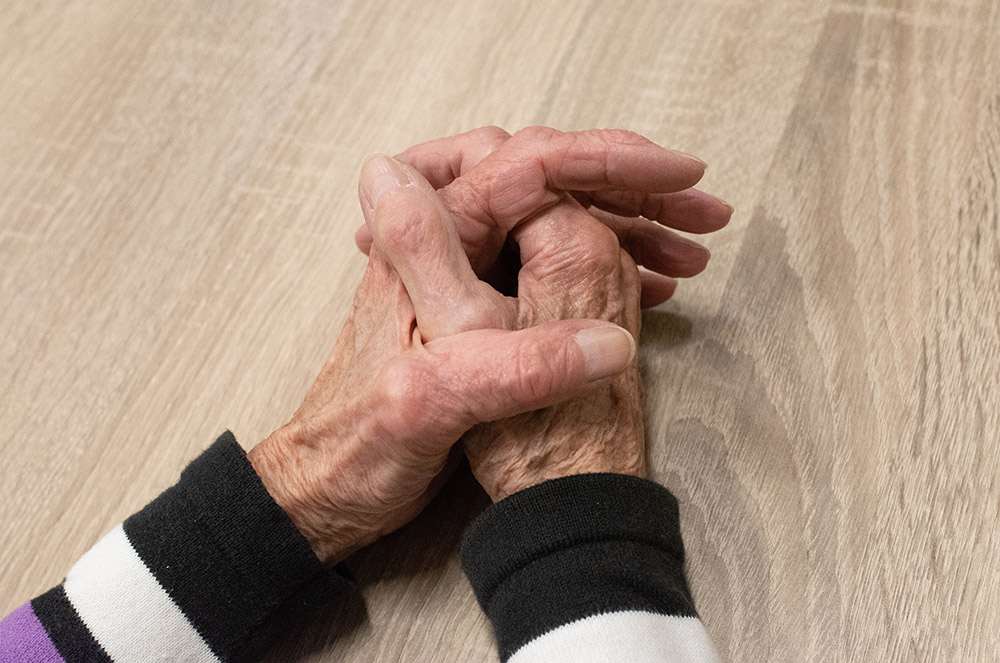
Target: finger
{"type": "Point", "coordinates": [689, 210]}
{"type": "Point", "coordinates": [572, 265]}
{"type": "Point", "coordinates": [601, 159]}
{"type": "Point", "coordinates": [492, 374]}
{"type": "Point", "coordinates": [443, 160]}
{"type": "Point", "coordinates": [656, 288]}
{"type": "Point", "coordinates": [416, 235]}
{"type": "Point", "coordinates": [655, 247]}
{"type": "Point", "coordinates": [531, 171]}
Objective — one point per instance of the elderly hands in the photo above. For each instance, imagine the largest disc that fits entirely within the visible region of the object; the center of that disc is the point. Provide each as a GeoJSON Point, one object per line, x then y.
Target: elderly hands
{"type": "Point", "coordinates": [430, 351]}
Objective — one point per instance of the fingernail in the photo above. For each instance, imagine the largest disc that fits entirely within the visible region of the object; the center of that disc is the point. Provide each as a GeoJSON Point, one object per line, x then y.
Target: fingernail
{"type": "Point", "coordinates": [606, 350]}
{"type": "Point", "coordinates": [692, 158]}
{"type": "Point", "coordinates": [723, 203]}
{"type": "Point", "coordinates": [381, 174]}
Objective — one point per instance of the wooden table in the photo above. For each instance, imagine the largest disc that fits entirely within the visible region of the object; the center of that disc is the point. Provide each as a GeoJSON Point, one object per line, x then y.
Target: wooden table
{"type": "Point", "coordinates": [177, 199]}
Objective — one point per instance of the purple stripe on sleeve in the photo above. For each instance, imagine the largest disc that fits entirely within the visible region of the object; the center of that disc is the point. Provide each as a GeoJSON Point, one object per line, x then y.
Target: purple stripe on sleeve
{"type": "Point", "coordinates": [23, 638]}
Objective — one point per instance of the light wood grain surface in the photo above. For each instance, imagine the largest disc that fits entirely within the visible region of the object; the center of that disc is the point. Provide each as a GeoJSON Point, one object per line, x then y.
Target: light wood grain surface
{"type": "Point", "coordinates": [177, 199]}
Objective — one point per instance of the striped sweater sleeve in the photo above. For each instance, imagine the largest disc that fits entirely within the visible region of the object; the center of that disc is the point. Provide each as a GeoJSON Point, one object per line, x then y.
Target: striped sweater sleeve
{"type": "Point", "coordinates": [584, 569]}
{"type": "Point", "coordinates": [211, 570]}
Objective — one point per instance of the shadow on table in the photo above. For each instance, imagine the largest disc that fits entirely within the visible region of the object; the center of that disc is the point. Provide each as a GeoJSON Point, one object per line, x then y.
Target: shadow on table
{"type": "Point", "coordinates": [415, 555]}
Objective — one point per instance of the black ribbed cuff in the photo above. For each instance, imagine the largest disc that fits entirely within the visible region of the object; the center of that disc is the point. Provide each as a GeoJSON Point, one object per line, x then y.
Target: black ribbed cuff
{"type": "Point", "coordinates": [228, 555]}
{"type": "Point", "coordinates": [574, 547]}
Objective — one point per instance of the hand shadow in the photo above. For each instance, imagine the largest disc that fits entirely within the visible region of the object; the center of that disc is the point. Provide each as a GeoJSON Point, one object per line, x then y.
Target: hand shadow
{"type": "Point", "coordinates": [425, 545]}
{"type": "Point", "coordinates": [663, 329]}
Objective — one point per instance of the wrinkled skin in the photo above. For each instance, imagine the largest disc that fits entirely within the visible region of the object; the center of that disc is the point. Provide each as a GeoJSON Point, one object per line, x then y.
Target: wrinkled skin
{"type": "Point", "coordinates": [367, 449]}
{"type": "Point", "coordinates": [430, 351]}
{"type": "Point", "coordinates": [586, 275]}
{"type": "Point", "coordinates": [573, 266]}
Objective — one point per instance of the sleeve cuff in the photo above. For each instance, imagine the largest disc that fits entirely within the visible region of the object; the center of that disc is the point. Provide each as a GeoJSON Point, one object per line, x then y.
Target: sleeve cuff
{"type": "Point", "coordinates": [211, 570]}
{"type": "Point", "coordinates": [228, 555]}
{"type": "Point", "coordinates": [576, 547]}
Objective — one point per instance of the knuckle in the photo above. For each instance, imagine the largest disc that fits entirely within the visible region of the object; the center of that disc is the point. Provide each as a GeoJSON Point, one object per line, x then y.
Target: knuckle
{"type": "Point", "coordinates": [535, 133]}
{"type": "Point", "coordinates": [605, 239]}
{"type": "Point", "coordinates": [537, 371]}
{"type": "Point", "coordinates": [471, 198]}
{"type": "Point", "coordinates": [491, 134]}
{"type": "Point", "coordinates": [402, 223]}
{"type": "Point", "coordinates": [629, 269]}
{"type": "Point", "coordinates": [402, 394]}
{"type": "Point", "coordinates": [598, 248]}
{"type": "Point", "coordinates": [631, 283]}
{"type": "Point", "coordinates": [471, 317]}
{"type": "Point", "coordinates": [623, 136]}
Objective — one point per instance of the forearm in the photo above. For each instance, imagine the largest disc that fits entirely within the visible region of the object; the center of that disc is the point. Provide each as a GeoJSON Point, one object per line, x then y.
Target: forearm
{"type": "Point", "coordinates": [586, 568]}
{"type": "Point", "coordinates": [205, 572]}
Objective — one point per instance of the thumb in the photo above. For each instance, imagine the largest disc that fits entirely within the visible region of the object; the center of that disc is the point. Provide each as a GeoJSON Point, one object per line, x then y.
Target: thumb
{"type": "Point", "coordinates": [493, 374]}
{"type": "Point", "coordinates": [416, 234]}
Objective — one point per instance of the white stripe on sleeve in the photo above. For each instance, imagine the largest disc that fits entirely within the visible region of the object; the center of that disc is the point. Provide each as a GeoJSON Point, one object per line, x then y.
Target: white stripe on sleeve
{"type": "Point", "coordinates": [633, 636]}
{"type": "Point", "coordinates": [125, 608]}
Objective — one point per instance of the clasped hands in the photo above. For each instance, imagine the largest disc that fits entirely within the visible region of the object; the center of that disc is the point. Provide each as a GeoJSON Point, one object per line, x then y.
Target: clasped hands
{"type": "Point", "coordinates": [500, 307]}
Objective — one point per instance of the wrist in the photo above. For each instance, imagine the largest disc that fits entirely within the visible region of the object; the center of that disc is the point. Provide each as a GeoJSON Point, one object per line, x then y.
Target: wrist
{"type": "Point", "coordinates": [601, 432]}
{"type": "Point", "coordinates": [294, 472]}
{"type": "Point", "coordinates": [506, 489]}
{"type": "Point", "coordinates": [500, 482]}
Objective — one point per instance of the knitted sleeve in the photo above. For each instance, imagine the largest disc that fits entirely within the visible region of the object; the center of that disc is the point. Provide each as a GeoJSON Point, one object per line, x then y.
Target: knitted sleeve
{"type": "Point", "coordinates": [586, 568]}
{"type": "Point", "coordinates": [210, 570]}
